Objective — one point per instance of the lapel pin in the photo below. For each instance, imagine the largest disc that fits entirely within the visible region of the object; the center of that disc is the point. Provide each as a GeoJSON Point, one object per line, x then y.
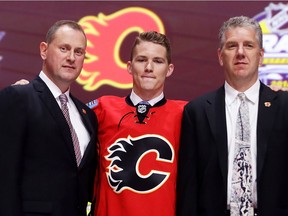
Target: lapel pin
{"type": "Point", "coordinates": [84, 111]}
{"type": "Point", "coordinates": [267, 104]}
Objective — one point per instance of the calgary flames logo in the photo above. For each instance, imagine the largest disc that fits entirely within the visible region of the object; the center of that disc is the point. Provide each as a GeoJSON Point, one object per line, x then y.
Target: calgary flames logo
{"type": "Point", "coordinates": [105, 35]}
{"type": "Point", "coordinates": [126, 158]}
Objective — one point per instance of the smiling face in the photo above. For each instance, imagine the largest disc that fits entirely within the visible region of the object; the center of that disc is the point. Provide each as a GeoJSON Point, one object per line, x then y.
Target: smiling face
{"type": "Point", "coordinates": [240, 57]}
{"type": "Point", "coordinates": [149, 68]}
{"type": "Point", "coordinates": [63, 57]}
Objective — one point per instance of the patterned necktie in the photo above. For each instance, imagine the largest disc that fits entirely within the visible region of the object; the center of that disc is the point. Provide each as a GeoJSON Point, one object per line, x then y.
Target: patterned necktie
{"type": "Point", "coordinates": [241, 194]}
{"type": "Point", "coordinates": [63, 100]}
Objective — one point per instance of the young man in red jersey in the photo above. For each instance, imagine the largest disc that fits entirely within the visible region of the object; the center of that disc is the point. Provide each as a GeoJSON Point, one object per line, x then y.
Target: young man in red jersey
{"type": "Point", "coordinates": [139, 137]}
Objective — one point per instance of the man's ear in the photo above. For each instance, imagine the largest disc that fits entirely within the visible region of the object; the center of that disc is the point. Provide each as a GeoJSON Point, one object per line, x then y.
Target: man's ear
{"type": "Point", "coordinates": [261, 57]}
{"type": "Point", "coordinates": [129, 67]}
{"type": "Point", "coordinates": [219, 53]}
{"type": "Point", "coordinates": [170, 70]}
{"type": "Point", "coordinates": [43, 50]}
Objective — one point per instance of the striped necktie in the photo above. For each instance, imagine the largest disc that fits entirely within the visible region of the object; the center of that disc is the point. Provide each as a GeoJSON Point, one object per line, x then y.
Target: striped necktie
{"type": "Point", "coordinates": [63, 100]}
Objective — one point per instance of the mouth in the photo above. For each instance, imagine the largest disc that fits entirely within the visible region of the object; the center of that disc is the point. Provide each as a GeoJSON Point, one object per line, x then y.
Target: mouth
{"type": "Point", "coordinates": [148, 77]}
{"type": "Point", "coordinates": [240, 63]}
{"type": "Point", "coordinates": [68, 66]}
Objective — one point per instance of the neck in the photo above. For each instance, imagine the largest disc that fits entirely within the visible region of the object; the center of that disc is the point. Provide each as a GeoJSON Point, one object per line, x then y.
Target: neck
{"type": "Point", "coordinates": [147, 95]}
{"type": "Point", "coordinates": [242, 85]}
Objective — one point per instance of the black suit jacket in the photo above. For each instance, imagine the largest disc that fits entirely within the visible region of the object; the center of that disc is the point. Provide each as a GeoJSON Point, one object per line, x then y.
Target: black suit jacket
{"type": "Point", "coordinates": [203, 157]}
{"type": "Point", "coordinates": [39, 174]}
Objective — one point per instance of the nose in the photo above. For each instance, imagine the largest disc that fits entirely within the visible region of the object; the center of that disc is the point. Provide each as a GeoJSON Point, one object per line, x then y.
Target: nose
{"type": "Point", "coordinates": [71, 56]}
{"type": "Point", "coordinates": [240, 50]}
{"type": "Point", "coordinates": [149, 67]}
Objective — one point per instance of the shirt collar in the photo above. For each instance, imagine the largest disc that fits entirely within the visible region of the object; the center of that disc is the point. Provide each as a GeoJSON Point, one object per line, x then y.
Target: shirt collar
{"type": "Point", "coordinates": [136, 99]}
{"type": "Point", "coordinates": [252, 93]}
{"type": "Point", "coordinates": [52, 87]}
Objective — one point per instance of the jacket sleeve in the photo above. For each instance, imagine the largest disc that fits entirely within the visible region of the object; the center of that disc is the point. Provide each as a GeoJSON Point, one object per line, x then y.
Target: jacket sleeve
{"type": "Point", "coordinates": [12, 128]}
{"type": "Point", "coordinates": [186, 201]}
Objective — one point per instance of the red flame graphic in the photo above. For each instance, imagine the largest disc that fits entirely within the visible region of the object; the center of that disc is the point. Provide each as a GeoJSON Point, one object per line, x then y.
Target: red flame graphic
{"type": "Point", "coordinates": [105, 35]}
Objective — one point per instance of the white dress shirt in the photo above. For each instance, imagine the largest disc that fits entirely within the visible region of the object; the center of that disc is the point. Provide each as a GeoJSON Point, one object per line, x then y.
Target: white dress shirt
{"type": "Point", "coordinates": [136, 99]}
{"type": "Point", "coordinates": [76, 120]}
{"type": "Point", "coordinates": [232, 103]}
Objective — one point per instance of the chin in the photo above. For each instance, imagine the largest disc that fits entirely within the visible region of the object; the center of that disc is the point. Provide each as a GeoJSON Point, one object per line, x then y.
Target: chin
{"type": "Point", "coordinates": [147, 87]}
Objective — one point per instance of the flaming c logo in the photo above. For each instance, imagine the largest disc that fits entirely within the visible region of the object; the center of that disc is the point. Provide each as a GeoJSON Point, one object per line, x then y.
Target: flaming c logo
{"type": "Point", "coordinates": [126, 157]}
{"type": "Point", "coordinates": [105, 34]}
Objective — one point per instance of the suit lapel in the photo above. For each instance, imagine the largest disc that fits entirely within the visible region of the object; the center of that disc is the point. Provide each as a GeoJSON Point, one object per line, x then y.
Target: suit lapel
{"type": "Point", "coordinates": [48, 99]}
{"type": "Point", "coordinates": [268, 106]}
{"type": "Point", "coordinates": [83, 111]}
{"type": "Point", "coordinates": [215, 110]}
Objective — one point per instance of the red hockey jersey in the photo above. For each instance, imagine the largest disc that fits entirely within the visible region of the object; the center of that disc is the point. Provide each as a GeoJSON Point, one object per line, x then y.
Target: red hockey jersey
{"type": "Point", "coordinates": [137, 161]}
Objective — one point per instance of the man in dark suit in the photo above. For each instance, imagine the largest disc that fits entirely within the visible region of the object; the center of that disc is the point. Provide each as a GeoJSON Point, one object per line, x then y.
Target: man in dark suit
{"type": "Point", "coordinates": [208, 184]}
{"type": "Point", "coordinates": [39, 171]}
